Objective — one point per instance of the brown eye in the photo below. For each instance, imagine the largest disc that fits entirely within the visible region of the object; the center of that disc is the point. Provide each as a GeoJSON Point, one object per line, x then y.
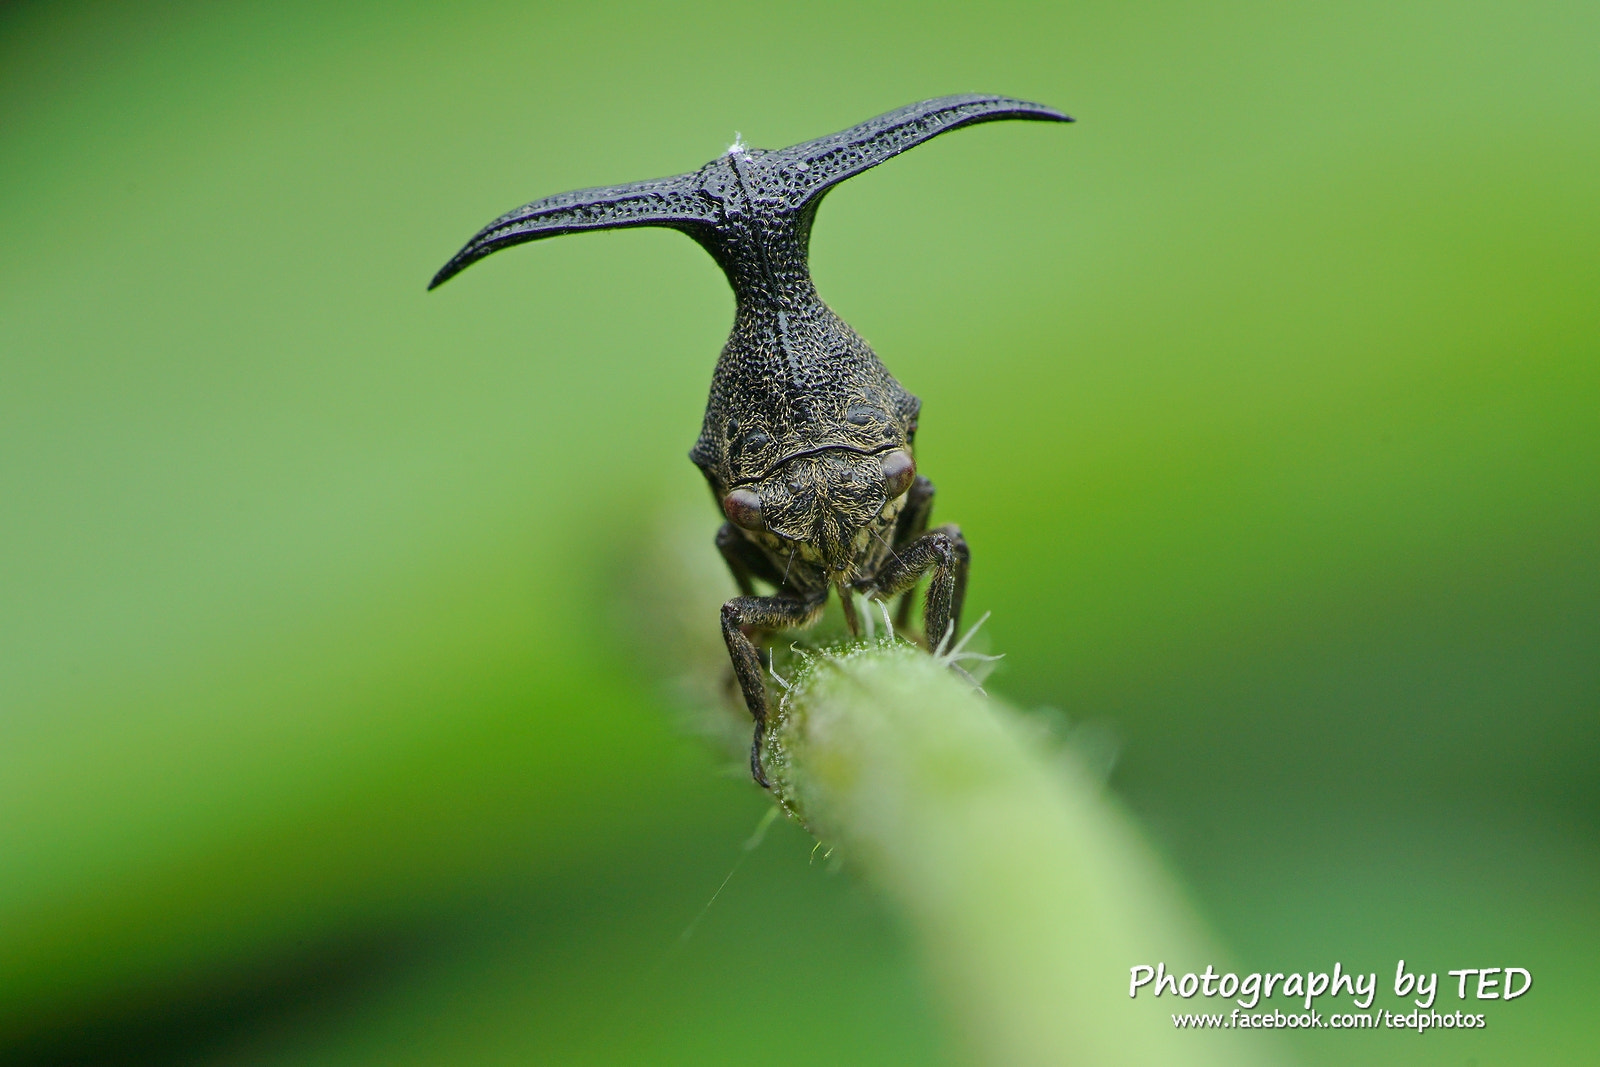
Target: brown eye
{"type": "Point", "coordinates": [899, 471]}
{"type": "Point", "coordinates": [743, 508]}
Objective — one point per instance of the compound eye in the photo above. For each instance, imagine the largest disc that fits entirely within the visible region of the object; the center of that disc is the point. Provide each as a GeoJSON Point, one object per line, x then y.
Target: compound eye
{"type": "Point", "coordinates": [899, 471]}
{"type": "Point", "coordinates": [743, 508]}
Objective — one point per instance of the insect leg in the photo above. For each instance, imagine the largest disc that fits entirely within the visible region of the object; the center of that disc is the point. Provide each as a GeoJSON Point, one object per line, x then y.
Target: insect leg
{"type": "Point", "coordinates": [945, 552]}
{"type": "Point", "coordinates": [912, 524]}
{"type": "Point", "coordinates": [747, 616]}
{"type": "Point", "coordinates": [745, 560]}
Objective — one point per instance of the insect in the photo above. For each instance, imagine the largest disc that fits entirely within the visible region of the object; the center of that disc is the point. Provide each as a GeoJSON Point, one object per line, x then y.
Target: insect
{"type": "Point", "coordinates": [808, 440]}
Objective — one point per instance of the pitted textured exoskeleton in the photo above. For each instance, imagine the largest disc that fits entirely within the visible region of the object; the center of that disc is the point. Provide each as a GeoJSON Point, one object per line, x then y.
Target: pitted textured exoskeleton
{"type": "Point", "coordinates": [808, 439]}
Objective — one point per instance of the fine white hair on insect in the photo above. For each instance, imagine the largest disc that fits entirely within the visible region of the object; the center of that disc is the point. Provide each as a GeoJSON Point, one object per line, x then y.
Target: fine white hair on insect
{"type": "Point", "coordinates": [738, 146]}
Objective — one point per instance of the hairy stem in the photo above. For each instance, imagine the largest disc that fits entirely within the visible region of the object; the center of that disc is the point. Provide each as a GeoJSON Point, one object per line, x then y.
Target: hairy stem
{"type": "Point", "coordinates": [1029, 892]}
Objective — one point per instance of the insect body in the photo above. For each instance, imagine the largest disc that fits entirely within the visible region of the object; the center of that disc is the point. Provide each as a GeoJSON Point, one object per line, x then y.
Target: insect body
{"type": "Point", "coordinates": [808, 439]}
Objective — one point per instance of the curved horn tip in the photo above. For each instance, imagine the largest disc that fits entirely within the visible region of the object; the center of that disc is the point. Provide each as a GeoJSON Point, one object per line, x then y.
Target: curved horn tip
{"type": "Point", "coordinates": [446, 272]}
{"type": "Point", "coordinates": [1044, 112]}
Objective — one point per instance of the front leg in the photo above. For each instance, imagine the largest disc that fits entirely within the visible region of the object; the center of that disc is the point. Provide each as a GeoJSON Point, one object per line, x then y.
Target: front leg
{"type": "Point", "coordinates": [743, 617]}
{"type": "Point", "coordinates": [912, 524]}
{"type": "Point", "coordinates": [945, 552]}
{"type": "Point", "coordinates": [745, 561]}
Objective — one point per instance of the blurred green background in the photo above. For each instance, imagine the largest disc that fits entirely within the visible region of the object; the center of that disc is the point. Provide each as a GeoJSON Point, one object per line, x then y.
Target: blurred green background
{"type": "Point", "coordinates": [1267, 395]}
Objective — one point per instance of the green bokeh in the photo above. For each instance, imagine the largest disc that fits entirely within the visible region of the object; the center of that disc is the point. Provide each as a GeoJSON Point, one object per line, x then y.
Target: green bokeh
{"type": "Point", "coordinates": [1267, 394]}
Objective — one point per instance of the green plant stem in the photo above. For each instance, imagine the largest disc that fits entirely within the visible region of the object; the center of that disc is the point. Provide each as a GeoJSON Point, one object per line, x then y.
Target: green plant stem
{"type": "Point", "coordinates": [1028, 891]}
